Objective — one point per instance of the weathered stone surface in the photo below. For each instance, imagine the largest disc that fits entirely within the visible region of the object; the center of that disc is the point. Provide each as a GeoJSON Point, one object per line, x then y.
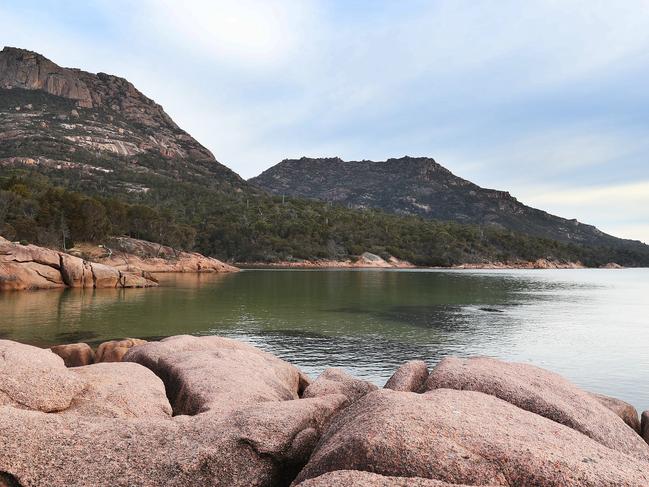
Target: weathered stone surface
{"type": "Point", "coordinates": [120, 390]}
{"type": "Point", "coordinates": [623, 409]}
{"type": "Point", "coordinates": [32, 267]}
{"type": "Point", "coordinates": [466, 437]}
{"type": "Point", "coordinates": [105, 276]}
{"type": "Point", "coordinates": [28, 275]}
{"type": "Point", "coordinates": [337, 381]}
{"type": "Point", "coordinates": [75, 354]}
{"type": "Point", "coordinates": [114, 350]}
{"type": "Point", "coordinates": [357, 478]}
{"type": "Point", "coordinates": [34, 378]}
{"type": "Point", "coordinates": [259, 445]}
{"type": "Point", "coordinates": [76, 272]}
{"type": "Point", "coordinates": [214, 373]}
{"type": "Point", "coordinates": [542, 392]}
{"type": "Point", "coordinates": [410, 377]}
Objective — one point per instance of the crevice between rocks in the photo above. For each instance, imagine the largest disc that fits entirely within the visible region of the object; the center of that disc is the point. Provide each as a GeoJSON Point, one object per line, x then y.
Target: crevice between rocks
{"type": "Point", "coordinates": [8, 480]}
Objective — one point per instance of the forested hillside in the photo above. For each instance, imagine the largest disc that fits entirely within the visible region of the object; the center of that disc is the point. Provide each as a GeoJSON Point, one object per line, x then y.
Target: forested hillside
{"type": "Point", "coordinates": [84, 157]}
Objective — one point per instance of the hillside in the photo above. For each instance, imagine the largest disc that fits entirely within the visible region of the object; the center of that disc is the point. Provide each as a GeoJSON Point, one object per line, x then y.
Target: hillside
{"type": "Point", "coordinates": [97, 128]}
{"type": "Point", "coordinates": [422, 187]}
{"type": "Point", "coordinates": [85, 157]}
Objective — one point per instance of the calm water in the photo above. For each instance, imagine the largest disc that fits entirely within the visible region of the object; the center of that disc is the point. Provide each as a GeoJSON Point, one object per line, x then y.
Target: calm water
{"type": "Point", "coordinates": [590, 325]}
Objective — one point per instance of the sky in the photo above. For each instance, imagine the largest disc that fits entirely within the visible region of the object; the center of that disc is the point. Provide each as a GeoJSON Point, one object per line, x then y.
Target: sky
{"type": "Point", "coordinates": [546, 99]}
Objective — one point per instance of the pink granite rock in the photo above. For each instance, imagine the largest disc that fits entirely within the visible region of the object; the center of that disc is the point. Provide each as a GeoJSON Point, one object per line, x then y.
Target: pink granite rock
{"type": "Point", "coordinates": [262, 445]}
{"type": "Point", "coordinates": [410, 377]}
{"type": "Point", "coordinates": [214, 373]}
{"type": "Point", "coordinates": [337, 381]}
{"type": "Point", "coordinates": [34, 378]}
{"type": "Point", "coordinates": [466, 437]}
{"type": "Point", "coordinates": [623, 409]}
{"type": "Point", "coordinates": [357, 478]}
{"type": "Point", "coordinates": [119, 390]}
{"type": "Point", "coordinates": [541, 392]}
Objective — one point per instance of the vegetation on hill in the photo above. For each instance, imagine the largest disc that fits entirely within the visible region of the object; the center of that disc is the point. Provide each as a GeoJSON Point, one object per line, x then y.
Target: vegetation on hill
{"type": "Point", "coordinates": [242, 226]}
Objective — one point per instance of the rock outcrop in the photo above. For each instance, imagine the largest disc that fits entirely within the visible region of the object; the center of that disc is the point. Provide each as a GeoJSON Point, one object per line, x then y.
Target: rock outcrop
{"type": "Point", "coordinates": [465, 437]}
{"type": "Point", "coordinates": [31, 267]}
{"type": "Point", "coordinates": [132, 255]}
{"type": "Point", "coordinates": [410, 377]}
{"type": "Point", "coordinates": [541, 392]}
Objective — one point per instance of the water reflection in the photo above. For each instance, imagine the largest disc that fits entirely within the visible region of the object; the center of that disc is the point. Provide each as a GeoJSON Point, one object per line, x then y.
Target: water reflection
{"type": "Point", "coordinates": [589, 325]}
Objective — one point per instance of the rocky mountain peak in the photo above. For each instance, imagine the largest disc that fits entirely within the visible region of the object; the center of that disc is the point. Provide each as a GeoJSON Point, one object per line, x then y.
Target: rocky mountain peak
{"type": "Point", "coordinates": [63, 117]}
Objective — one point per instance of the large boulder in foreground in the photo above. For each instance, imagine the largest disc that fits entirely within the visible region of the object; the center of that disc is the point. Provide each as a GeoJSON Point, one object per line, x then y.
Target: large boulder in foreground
{"type": "Point", "coordinates": [357, 478]}
{"type": "Point", "coordinates": [262, 445]}
{"type": "Point", "coordinates": [541, 392]}
{"type": "Point", "coordinates": [75, 354]}
{"type": "Point", "coordinates": [214, 373]}
{"type": "Point", "coordinates": [34, 378]}
{"type": "Point", "coordinates": [337, 381]}
{"type": "Point", "coordinates": [120, 390]}
{"type": "Point", "coordinates": [466, 437]}
{"type": "Point", "coordinates": [410, 377]}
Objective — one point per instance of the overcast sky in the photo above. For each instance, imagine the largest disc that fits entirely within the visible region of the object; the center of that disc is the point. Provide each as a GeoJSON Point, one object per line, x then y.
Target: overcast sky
{"type": "Point", "coordinates": [547, 99]}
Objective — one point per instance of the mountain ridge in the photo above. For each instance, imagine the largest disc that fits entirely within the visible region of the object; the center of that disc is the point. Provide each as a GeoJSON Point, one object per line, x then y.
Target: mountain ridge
{"type": "Point", "coordinates": [420, 186]}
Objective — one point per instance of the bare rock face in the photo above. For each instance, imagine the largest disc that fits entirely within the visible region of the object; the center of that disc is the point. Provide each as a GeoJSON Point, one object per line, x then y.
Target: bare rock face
{"type": "Point", "coordinates": [75, 354]}
{"type": "Point", "coordinates": [623, 409]}
{"type": "Point", "coordinates": [114, 350]}
{"type": "Point", "coordinates": [119, 390]}
{"type": "Point", "coordinates": [337, 381]}
{"type": "Point", "coordinates": [31, 267]}
{"type": "Point", "coordinates": [357, 478]}
{"type": "Point", "coordinates": [541, 392]}
{"type": "Point", "coordinates": [213, 374]}
{"type": "Point", "coordinates": [465, 437]}
{"type": "Point", "coordinates": [33, 378]}
{"type": "Point", "coordinates": [410, 377]}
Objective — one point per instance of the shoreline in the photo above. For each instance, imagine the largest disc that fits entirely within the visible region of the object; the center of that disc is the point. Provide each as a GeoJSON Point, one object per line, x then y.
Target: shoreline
{"type": "Point", "coordinates": [539, 264]}
{"type": "Point", "coordinates": [153, 407]}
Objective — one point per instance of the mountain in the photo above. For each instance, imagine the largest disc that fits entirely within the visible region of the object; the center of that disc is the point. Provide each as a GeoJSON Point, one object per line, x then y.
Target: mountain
{"type": "Point", "coordinates": [96, 125]}
{"type": "Point", "coordinates": [87, 157]}
{"type": "Point", "coordinates": [420, 186]}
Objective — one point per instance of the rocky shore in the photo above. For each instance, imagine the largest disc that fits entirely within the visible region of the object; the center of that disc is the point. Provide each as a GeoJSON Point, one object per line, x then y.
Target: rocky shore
{"type": "Point", "coordinates": [131, 254]}
{"type": "Point", "coordinates": [31, 267]}
{"type": "Point", "coordinates": [126, 263]}
{"type": "Point", "coordinates": [213, 411]}
{"type": "Point", "coordinates": [366, 260]}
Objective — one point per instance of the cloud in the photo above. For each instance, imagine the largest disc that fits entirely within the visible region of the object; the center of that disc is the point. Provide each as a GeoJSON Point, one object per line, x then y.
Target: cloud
{"type": "Point", "coordinates": [510, 94]}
